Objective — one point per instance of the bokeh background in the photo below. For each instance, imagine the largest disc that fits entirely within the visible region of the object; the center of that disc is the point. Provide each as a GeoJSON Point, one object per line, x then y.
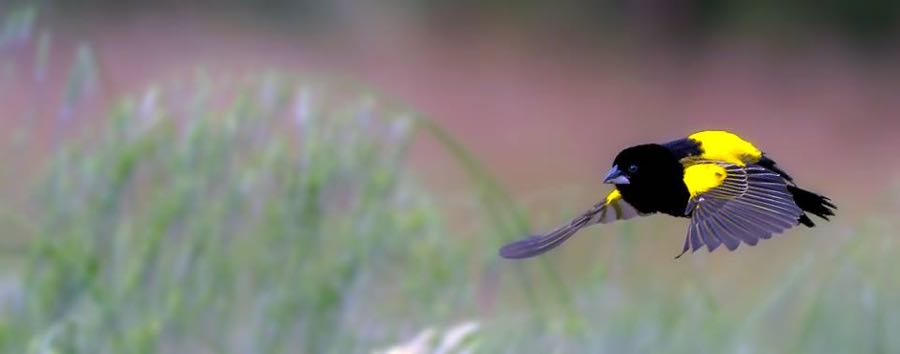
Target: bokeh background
{"type": "Point", "coordinates": [336, 176]}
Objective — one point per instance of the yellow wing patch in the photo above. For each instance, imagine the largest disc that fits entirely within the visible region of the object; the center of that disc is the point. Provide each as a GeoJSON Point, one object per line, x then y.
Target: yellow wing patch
{"type": "Point", "coordinates": [703, 177]}
{"type": "Point", "coordinates": [615, 208]}
{"type": "Point", "coordinates": [613, 196]}
{"type": "Point", "coordinates": [720, 145]}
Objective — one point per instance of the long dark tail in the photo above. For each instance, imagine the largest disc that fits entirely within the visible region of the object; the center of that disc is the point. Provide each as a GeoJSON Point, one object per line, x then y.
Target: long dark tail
{"type": "Point", "coordinates": [816, 204]}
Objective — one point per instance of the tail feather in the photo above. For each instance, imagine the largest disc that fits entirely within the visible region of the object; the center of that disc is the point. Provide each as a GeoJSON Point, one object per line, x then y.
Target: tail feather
{"type": "Point", "coordinates": [816, 204]}
{"type": "Point", "coordinates": [766, 162]}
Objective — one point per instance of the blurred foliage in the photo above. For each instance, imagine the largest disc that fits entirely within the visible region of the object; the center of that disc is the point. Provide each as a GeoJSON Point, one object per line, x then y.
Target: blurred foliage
{"type": "Point", "coordinates": [279, 214]}
{"type": "Point", "coordinates": [274, 214]}
{"type": "Point", "coordinates": [18, 22]}
{"type": "Point", "coordinates": [286, 219]}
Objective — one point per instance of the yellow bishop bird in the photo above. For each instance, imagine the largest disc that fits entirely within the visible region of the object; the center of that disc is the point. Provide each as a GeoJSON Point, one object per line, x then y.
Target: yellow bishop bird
{"type": "Point", "coordinates": [731, 191]}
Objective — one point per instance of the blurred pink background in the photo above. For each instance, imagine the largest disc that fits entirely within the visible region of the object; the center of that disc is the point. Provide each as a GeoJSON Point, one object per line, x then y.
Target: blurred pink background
{"type": "Point", "coordinates": [546, 108]}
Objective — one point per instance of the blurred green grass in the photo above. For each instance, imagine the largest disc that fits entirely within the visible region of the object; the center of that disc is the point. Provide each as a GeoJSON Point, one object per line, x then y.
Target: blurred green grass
{"type": "Point", "coordinates": [278, 214]}
{"type": "Point", "coordinates": [287, 218]}
{"type": "Point", "coordinates": [274, 213]}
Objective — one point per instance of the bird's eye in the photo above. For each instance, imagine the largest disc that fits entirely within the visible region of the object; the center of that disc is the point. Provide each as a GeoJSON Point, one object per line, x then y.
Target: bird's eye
{"type": "Point", "coordinates": [632, 169]}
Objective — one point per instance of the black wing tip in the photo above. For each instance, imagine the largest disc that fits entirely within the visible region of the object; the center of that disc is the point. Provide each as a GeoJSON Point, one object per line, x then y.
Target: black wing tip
{"type": "Point", "coordinates": [513, 254]}
{"type": "Point", "coordinates": [514, 250]}
{"type": "Point", "coordinates": [524, 248]}
{"type": "Point", "coordinates": [538, 244]}
{"type": "Point", "coordinates": [684, 252]}
{"type": "Point", "coordinates": [730, 249]}
{"type": "Point", "coordinates": [734, 246]}
{"type": "Point", "coordinates": [687, 247]}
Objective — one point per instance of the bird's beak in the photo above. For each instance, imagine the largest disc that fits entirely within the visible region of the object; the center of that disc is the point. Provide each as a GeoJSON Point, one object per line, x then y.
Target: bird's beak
{"type": "Point", "coordinates": [615, 176]}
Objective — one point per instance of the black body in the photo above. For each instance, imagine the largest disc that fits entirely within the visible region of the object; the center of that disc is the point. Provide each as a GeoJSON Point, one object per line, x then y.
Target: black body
{"type": "Point", "coordinates": [656, 178]}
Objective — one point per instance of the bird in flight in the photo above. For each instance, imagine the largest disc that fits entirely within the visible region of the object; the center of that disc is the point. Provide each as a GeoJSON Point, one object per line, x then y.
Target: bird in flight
{"type": "Point", "coordinates": [730, 190]}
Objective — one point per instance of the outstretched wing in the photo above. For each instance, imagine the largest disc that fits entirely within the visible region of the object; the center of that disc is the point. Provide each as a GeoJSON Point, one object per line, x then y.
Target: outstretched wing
{"type": "Point", "coordinates": [612, 209]}
{"type": "Point", "coordinates": [731, 204]}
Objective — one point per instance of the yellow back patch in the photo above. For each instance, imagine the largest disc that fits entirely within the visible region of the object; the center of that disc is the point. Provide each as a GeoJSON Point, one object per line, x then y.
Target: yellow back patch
{"type": "Point", "coordinates": [720, 145]}
{"type": "Point", "coordinates": [703, 177]}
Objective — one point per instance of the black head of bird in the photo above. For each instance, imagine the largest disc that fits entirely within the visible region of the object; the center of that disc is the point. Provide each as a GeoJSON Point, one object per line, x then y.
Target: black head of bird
{"type": "Point", "coordinates": [643, 165]}
{"type": "Point", "coordinates": [650, 177]}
